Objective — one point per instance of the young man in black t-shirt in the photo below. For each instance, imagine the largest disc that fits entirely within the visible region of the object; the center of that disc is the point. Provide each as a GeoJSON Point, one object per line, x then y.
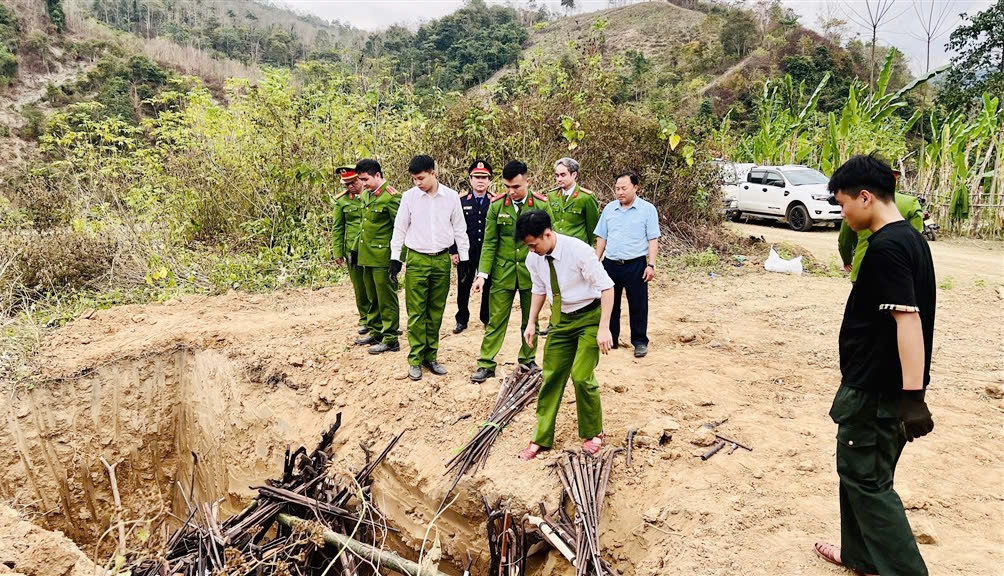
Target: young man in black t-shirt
{"type": "Point", "coordinates": [885, 360]}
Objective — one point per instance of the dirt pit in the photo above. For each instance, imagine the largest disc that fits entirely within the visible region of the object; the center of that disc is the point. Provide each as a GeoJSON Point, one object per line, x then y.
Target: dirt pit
{"type": "Point", "coordinates": [236, 378]}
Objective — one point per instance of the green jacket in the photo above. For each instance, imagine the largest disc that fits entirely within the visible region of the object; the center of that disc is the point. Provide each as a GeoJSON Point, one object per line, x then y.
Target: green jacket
{"type": "Point", "coordinates": [379, 208]}
{"type": "Point", "coordinates": [348, 219]}
{"type": "Point", "coordinates": [576, 214]}
{"type": "Point", "coordinates": [503, 258]}
{"type": "Point", "coordinates": [852, 245]}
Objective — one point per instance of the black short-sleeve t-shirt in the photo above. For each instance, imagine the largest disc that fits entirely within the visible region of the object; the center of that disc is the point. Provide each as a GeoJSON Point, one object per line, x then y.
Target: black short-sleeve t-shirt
{"type": "Point", "coordinates": [897, 274]}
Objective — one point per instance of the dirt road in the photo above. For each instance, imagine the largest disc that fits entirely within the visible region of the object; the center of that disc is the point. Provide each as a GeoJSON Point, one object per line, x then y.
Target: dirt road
{"type": "Point", "coordinates": [239, 377]}
{"type": "Point", "coordinates": [958, 258]}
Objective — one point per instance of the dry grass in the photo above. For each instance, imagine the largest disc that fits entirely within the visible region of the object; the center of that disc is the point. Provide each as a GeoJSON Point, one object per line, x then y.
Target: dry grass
{"type": "Point", "coordinates": [192, 61]}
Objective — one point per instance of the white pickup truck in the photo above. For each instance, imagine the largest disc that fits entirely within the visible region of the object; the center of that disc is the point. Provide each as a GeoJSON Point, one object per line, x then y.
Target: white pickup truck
{"type": "Point", "coordinates": [794, 193]}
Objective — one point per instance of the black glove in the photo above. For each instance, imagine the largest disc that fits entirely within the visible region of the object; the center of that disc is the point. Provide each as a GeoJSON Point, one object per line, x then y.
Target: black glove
{"type": "Point", "coordinates": [395, 269]}
{"type": "Point", "coordinates": [914, 413]}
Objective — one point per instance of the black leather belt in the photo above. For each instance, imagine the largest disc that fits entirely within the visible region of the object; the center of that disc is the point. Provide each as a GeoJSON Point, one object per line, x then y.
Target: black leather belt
{"type": "Point", "coordinates": [623, 262]}
{"type": "Point", "coordinates": [587, 308]}
{"type": "Point", "coordinates": [433, 255]}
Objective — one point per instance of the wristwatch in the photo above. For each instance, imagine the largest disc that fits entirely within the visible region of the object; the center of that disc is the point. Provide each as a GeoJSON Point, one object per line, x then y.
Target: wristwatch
{"type": "Point", "coordinates": [652, 266]}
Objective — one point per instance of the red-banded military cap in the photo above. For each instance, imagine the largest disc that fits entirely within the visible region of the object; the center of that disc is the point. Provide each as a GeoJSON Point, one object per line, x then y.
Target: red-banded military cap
{"type": "Point", "coordinates": [347, 173]}
{"type": "Point", "coordinates": [480, 168]}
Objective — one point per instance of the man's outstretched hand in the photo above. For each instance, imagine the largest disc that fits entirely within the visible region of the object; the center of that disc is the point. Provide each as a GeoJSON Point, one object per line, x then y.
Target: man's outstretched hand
{"type": "Point", "coordinates": [914, 414]}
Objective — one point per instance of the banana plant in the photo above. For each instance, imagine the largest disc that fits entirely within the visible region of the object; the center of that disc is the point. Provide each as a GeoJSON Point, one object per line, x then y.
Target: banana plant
{"type": "Point", "coordinates": [869, 119]}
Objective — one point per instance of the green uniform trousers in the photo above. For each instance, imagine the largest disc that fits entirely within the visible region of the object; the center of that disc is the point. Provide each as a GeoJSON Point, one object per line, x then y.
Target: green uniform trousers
{"type": "Point", "coordinates": [383, 319]}
{"type": "Point", "coordinates": [359, 289]}
{"type": "Point", "coordinates": [500, 305]}
{"type": "Point", "coordinates": [875, 536]}
{"type": "Point", "coordinates": [426, 288]}
{"type": "Point", "coordinates": [570, 349]}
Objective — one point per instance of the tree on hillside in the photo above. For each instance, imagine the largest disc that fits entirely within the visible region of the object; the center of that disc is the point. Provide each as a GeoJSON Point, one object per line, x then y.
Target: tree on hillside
{"type": "Point", "coordinates": [738, 34]}
{"type": "Point", "coordinates": [568, 5]}
{"type": "Point", "coordinates": [834, 27]}
{"type": "Point", "coordinates": [978, 66]}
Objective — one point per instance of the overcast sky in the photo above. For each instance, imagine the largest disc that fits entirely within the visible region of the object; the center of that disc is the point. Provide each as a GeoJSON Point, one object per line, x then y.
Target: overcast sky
{"type": "Point", "coordinates": [904, 31]}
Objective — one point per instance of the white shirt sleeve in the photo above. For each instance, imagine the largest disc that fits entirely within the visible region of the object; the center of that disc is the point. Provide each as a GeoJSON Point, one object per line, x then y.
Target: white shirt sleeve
{"type": "Point", "coordinates": [401, 224]}
{"type": "Point", "coordinates": [533, 267]}
{"type": "Point", "coordinates": [460, 228]}
{"type": "Point", "coordinates": [593, 272]}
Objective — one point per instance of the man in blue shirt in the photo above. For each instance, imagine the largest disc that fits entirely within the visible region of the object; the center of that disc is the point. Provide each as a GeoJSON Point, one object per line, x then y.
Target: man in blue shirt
{"type": "Point", "coordinates": [627, 242]}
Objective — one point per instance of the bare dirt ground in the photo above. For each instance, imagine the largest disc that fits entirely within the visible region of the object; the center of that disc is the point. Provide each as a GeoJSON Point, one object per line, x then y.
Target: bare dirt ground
{"type": "Point", "coordinates": [248, 374]}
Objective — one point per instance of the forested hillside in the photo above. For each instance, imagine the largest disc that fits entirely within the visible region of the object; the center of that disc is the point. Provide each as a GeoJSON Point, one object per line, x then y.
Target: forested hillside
{"type": "Point", "coordinates": [249, 31]}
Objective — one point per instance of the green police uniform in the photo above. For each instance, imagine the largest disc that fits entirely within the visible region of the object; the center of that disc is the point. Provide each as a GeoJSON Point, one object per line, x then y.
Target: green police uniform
{"type": "Point", "coordinates": [426, 288]}
{"type": "Point", "coordinates": [576, 214]}
{"type": "Point", "coordinates": [503, 259]}
{"type": "Point", "coordinates": [379, 208]}
{"type": "Point", "coordinates": [345, 238]}
{"type": "Point", "coordinates": [852, 245]}
{"type": "Point", "coordinates": [572, 351]}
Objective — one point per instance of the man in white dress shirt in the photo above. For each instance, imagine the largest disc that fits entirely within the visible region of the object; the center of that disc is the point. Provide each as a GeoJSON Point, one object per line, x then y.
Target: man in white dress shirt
{"type": "Point", "coordinates": [429, 221]}
{"type": "Point", "coordinates": [565, 271]}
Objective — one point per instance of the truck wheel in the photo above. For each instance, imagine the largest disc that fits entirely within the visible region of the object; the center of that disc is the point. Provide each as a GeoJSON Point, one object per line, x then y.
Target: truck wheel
{"type": "Point", "coordinates": [798, 218]}
{"type": "Point", "coordinates": [735, 216]}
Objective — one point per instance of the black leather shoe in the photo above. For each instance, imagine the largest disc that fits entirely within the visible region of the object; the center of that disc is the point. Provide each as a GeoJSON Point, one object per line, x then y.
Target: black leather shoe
{"type": "Point", "coordinates": [531, 365]}
{"type": "Point", "coordinates": [364, 330]}
{"type": "Point", "coordinates": [482, 374]}
{"type": "Point", "coordinates": [381, 348]}
{"type": "Point", "coordinates": [368, 340]}
{"type": "Point", "coordinates": [436, 368]}
{"type": "Point", "coordinates": [640, 351]}
{"type": "Point", "coordinates": [415, 372]}
{"type": "Point", "coordinates": [459, 328]}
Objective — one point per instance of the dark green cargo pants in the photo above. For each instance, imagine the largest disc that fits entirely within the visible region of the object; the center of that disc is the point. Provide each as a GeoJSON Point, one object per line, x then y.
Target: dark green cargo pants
{"type": "Point", "coordinates": [875, 536]}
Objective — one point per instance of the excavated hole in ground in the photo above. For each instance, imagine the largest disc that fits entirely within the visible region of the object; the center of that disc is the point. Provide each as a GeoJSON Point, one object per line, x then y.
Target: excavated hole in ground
{"type": "Point", "coordinates": [150, 414]}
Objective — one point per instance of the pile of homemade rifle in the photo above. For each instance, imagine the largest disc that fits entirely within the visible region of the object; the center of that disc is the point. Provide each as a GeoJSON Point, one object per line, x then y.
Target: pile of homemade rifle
{"type": "Point", "coordinates": [585, 480]}
{"type": "Point", "coordinates": [273, 536]}
{"type": "Point", "coordinates": [518, 390]}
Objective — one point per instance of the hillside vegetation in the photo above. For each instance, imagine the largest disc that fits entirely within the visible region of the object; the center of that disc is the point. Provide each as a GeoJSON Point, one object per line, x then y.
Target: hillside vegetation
{"type": "Point", "coordinates": [249, 31]}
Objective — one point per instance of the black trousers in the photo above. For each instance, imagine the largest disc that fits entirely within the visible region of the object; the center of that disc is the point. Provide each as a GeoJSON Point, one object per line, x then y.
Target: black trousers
{"type": "Point", "coordinates": [627, 277]}
{"type": "Point", "coordinates": [464, 296]}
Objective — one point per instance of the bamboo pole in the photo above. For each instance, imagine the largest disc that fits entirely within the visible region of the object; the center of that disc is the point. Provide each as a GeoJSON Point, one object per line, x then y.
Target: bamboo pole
{"type": "Point", "coordinates": [371, 553]}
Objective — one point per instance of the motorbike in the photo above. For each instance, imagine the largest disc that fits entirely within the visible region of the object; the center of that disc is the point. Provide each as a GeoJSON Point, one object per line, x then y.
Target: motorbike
{"type": "Point", "coordinates": [930, 226]}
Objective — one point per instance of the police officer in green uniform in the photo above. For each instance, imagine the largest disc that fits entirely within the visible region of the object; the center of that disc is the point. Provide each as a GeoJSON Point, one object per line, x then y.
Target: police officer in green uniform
{"type": "Point", "coordinates": [429, 222]}
{"type": "Point", "coordinates": [503, 261]}
{"type": "Point", "coordinates": [574, 210]}
{"type": "Point", "coordinates": [345, 237]}
{"type": "Point", "coordinates": [565, 271]}
{"type": "Point", "coordinates": [379, 208]}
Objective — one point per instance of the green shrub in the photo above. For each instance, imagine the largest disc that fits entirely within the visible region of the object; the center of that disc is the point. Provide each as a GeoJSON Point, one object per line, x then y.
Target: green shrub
{"type": "Point", "coordinates": [8, 66]}
{"type": "Point", "coordinates": [40, 263]}
{"type": "Point", "coordinates": [34, 122]}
